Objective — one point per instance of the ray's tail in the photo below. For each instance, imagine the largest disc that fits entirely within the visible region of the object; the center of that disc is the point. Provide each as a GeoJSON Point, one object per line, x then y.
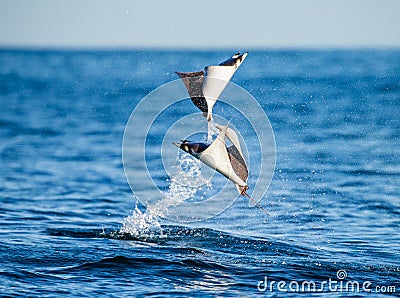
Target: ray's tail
{"type": "Point", "coordinates": [251, 199]}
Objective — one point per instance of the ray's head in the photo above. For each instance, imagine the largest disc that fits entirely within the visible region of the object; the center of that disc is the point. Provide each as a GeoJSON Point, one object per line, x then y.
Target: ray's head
{"type": "Point", "coordinates": [192, 148]}
{"type": "Point", "coordinates": [235, 60]}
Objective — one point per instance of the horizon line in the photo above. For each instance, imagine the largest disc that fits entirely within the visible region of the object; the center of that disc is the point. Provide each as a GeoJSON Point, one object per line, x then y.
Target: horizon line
{"type": "Point", "coordinates": [19, 47]}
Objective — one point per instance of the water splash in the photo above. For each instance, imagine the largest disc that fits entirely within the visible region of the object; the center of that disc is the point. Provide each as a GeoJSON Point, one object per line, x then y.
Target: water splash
{"type": "Point", "coordinates": [141, 224]}
{"type": "Point", "coordinates": [212, 131]}
{"type": "Point", "coordinates": [184, 184]}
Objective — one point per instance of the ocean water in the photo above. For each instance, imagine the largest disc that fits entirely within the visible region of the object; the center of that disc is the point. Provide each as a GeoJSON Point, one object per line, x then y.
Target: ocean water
{"type": "Point", "coordinates": [70, 225]}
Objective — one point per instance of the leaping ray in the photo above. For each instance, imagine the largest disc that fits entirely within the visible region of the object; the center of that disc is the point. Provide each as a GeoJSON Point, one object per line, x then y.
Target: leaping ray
{"type": "Point", "coordinates": [228, 161]}
{"type": "Point", "coordinates": [204, 87]}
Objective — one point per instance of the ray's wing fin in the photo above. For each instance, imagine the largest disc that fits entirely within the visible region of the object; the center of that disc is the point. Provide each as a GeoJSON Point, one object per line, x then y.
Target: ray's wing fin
{"type": "Point", "coordinates": [194, 85]}
{"type": "Point", "coordinates": [232, 136]}
{"type": "Point", "coordinates": [235, 153]}
{"type": "Point", "coordinates": [238, 163]}
{"type": "Point", "coordinates": [217, 78]}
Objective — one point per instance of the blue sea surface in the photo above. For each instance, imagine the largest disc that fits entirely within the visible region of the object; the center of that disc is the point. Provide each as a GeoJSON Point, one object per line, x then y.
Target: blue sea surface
{"type": "Point", "coordinates": [334, 200]}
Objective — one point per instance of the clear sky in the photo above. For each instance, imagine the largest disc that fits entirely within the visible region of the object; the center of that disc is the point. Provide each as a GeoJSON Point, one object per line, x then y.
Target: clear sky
{"type": "Point", "coordinates": [200, 24]}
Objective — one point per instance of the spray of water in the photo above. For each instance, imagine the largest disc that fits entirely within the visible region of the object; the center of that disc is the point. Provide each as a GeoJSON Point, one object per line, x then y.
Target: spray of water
{"type": "Point", "coordinates": [185, 182]}
{"type": "Point", "coordinates": [212, 131]}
